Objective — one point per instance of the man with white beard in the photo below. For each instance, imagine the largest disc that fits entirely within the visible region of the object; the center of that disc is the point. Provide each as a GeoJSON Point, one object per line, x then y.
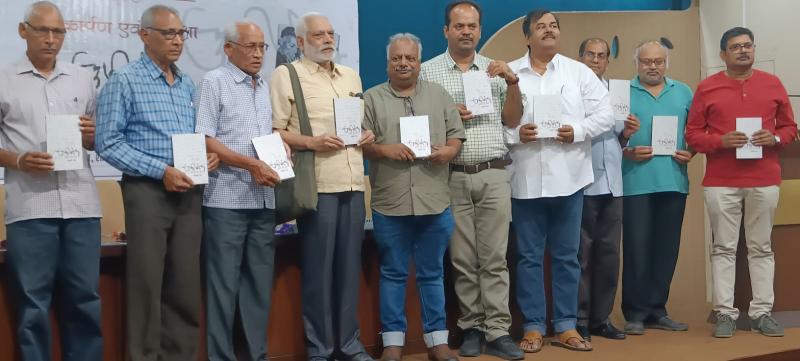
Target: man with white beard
{"type": "Point", "coordinates": [332, 234]}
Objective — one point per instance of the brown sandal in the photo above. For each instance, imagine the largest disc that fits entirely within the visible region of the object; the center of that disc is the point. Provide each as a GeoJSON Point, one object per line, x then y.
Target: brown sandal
{"type": "Point", "coordinates": [532, 342]}
{"type": "Point", "coordinates": [564, 338]}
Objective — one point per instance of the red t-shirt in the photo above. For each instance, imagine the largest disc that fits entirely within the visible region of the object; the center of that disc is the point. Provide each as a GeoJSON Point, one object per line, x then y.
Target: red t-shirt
{"type": "Point", "coordinates": [719, 100]}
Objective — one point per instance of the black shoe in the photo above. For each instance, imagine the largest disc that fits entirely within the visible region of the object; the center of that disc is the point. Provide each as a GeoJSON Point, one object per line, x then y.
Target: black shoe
{"type": "Point", "coordinates": [584, 332]}
{"type": "Point", "coordinates": [608, 330]}
{"type": "Point", "coordinates": [667, 324]}
{"type": "Point", "coordinates": [504, 347]}
{"type": "Point", "coordinates": [473, 343]}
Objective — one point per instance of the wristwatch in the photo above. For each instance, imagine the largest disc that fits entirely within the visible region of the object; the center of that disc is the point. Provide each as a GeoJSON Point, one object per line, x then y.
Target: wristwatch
{"type": "Point", "coordinates": [777, 139]}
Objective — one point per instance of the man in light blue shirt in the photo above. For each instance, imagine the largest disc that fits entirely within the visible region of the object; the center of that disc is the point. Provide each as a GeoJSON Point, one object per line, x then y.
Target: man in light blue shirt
{"type": "Point", "coordinates": [233, 107]}
{"type": "Point", "coordinates": [601, 225]}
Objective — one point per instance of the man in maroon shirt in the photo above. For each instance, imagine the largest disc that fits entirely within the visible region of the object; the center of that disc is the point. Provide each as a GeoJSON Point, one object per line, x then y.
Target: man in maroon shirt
{"type": "Point", "coordinates": [721, 101]}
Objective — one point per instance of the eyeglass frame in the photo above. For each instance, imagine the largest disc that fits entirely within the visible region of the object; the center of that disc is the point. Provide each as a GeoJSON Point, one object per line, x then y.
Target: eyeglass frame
{"type": "Point", "coordinates": [658, 62]}
{"type": "Point", "coordinates": [251, 48]}
{"type": "Point", "coordinates": [170, 34]}
{"type": "Point", "coordinates": [741, 47]}
{"type": "Point", "coordinates": [42, 31]}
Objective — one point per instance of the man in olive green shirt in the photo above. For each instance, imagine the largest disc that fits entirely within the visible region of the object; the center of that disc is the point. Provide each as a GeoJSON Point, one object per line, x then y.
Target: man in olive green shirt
{"type": "Point", "coordinates": [410, 195]}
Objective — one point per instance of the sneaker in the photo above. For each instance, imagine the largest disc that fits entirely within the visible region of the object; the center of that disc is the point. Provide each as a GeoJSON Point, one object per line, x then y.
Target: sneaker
{"type": "Point", "coordinates": [634, 328]}
{"type": "Point", "coordinates": [504, 347]}
{"type": "Point", "coordinates": [767, 326]}
{"type": "Point", "coordinates": [473, 343]}
{"type": "Point", "coordinates": [725, 326]}
{"type": "Point", "coordinates": [667, 324]}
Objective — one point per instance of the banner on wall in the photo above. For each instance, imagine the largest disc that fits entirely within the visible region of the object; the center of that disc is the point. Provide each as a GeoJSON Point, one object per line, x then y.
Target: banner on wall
{"type": "Point", "coordinates": [102, 36]}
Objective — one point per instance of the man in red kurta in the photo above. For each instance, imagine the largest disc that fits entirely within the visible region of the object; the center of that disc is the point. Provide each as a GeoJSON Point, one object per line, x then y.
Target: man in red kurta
{"type": "Point", "coordinates": [734, 181]}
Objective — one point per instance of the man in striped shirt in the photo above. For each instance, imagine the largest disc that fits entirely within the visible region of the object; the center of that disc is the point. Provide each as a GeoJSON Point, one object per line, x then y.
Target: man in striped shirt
{"type": "Point", "coordinates": [52, 217]}
{"type": "Point", "coordinates": [138, 111]}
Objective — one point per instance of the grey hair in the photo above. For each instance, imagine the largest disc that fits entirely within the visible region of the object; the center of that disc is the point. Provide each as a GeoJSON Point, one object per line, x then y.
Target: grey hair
{"type": "Point", "coordinates": [148, 16]}
{"type": "Point", "coordinates": [302, 23]}
{"type": "Point", "coordinates": [33, 9]}
{"type": "Point", "coordinates": [642, 45]}
{"type": "Point", "coordinates": [232, 30]}
{"type": "Point", "coordinates": [404, 36]}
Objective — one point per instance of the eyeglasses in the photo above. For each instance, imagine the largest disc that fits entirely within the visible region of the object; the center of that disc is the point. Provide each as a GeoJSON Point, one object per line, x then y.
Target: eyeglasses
{"type": "Point", "coordinates": [741, 47]}
{"type": "Point", "coordinates": [659, 62]}
{"type": "Point", "coordinates": [170, 34]}
{"type": "Point", "coordinates": [43, 31]}
{"type": "Point", "coordinates": [322, 34]}
{"type": "Point", "coordinates": [591, 55]}
{"type": "Point", "coordinates": [252, 47]}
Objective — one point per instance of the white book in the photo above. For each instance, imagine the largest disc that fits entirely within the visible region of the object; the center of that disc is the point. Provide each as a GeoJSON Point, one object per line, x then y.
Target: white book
{"type": "Point", "coordinates": [347, 116]}
{"type": "Point", "coordinates": [477, 92]}
{"type": "Point", "coordinates": [619, 92]}
{"type": "Point", "coordinates": [665, 135]}
{"type": "Point", "coordinates": [415, 133]}
{"type": "Point", "coordinates": [547, 115]}
{"type": "Point", "coordinates": [64, 141]}
{"type": "Point", "coordinates": [748, 126]}
{"type": "Point", "coordinates": [271, 151]}
{"type": "Point", "coordinates": [189, 154]}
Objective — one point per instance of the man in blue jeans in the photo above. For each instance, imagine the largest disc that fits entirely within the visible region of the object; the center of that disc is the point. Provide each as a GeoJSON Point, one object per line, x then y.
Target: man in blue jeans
{"type": "Point", "coordinates": [548, 177]}
{"type": "Point", "coordinates": [52, 217]}
{"type": "Point", "coordinates": [410, 195]}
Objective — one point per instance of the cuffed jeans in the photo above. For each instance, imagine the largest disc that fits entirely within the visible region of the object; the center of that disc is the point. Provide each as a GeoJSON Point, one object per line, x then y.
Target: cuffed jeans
{"type": "Point", "coordinates": [554, 222]}
{"type": "Point", "coordinates": [62, 255]}
{"type": "Point", "coordinates": [239, 254]}
{"type": "Point", "coordinates": [425, 239]}
{"type": "Point", "coordinates": [725, 213]}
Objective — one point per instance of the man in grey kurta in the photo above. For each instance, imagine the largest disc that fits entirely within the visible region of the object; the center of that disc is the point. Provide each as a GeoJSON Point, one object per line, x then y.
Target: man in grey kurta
{"type": "Point", "coordinates": [410, 198]}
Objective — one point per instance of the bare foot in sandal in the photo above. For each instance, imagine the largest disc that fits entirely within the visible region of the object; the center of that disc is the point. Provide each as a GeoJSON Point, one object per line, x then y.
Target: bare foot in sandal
{"type": "Point", "coordinates": [532, 342]}
{"type": "Point", "coordinates": [571, 340]}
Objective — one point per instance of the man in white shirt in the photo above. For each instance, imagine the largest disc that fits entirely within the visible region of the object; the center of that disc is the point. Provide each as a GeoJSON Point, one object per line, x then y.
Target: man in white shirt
{"type": "Point", "coordinates": [548, 176]}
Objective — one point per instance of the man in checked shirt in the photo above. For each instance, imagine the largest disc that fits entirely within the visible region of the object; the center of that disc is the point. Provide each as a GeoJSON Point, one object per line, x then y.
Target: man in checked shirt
{"type": "Point", "coordinates": [138, 111]}
{"type": "Point", "coordinates": [233, 107]}
{"type": "Point", "coordinates": [479, 186]}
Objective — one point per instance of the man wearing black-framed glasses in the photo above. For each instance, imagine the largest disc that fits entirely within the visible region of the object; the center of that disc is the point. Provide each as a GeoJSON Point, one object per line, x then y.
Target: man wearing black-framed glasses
{"type": "Point", "coordinates": [139, 109]}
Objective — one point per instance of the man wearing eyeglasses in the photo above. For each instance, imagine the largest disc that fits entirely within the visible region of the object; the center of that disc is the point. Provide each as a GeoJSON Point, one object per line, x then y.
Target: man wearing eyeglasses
{"type": "Point", "coordinates": [52, 217]}
{"type": "Point", "coordinates": [140, 107]}
{"type": "Point", "coordinates": [332, 235]}
{"type": "Point", "coordinates": [654, 188]}
{"type": "Point", "coordinates": [239, 203]}
{"type": "Point", "coordinates": [601, 224]}
{"type": "Point", "coordinates": [722, 100]}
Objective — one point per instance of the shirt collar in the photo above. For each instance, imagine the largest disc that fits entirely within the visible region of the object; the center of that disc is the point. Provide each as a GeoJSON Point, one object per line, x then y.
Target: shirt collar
{"type": "Point", "coordinates": [24, 65]}
{"type": "Point", "coordinates": [668, 83]}
{"type": "Point", "coordinates": [316, 68]}
{"type": "Point", "coordinates": [240, 76]}
{"type": "Point", "coordinates": [551, 66]}
{"type": "Point", "coordinates": [397, 95]}
{"type": "Point", "coordinates": [155, 71]}
{"type": "Point", "coordinates": [451, 64]}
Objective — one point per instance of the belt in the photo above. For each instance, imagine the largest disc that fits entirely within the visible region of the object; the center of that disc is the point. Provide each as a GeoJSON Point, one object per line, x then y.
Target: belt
{"type": "Point", "coordinates": [499, 163]}
{"type": "Point", "coordinates": [133, 178]}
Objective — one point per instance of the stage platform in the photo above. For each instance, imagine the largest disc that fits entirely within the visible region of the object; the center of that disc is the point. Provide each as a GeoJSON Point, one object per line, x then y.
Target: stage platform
{"type": "Point", "coordinates": [655, 345]}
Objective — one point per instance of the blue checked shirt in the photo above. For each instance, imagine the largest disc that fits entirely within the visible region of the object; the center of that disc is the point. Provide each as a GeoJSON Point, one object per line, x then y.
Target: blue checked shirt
{"type": "Point", "coordinates": [137, 114]}
{"type": "Point", "coordinates": [234, 112]}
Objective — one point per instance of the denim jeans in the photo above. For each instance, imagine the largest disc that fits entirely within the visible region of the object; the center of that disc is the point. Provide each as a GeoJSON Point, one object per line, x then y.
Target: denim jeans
{"type": "Point", "coordinates": [49, 254]}
{"type": "Point", "coordinates": [555, 223]}
{"type": "Point", "coordinates": [425, 239]}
